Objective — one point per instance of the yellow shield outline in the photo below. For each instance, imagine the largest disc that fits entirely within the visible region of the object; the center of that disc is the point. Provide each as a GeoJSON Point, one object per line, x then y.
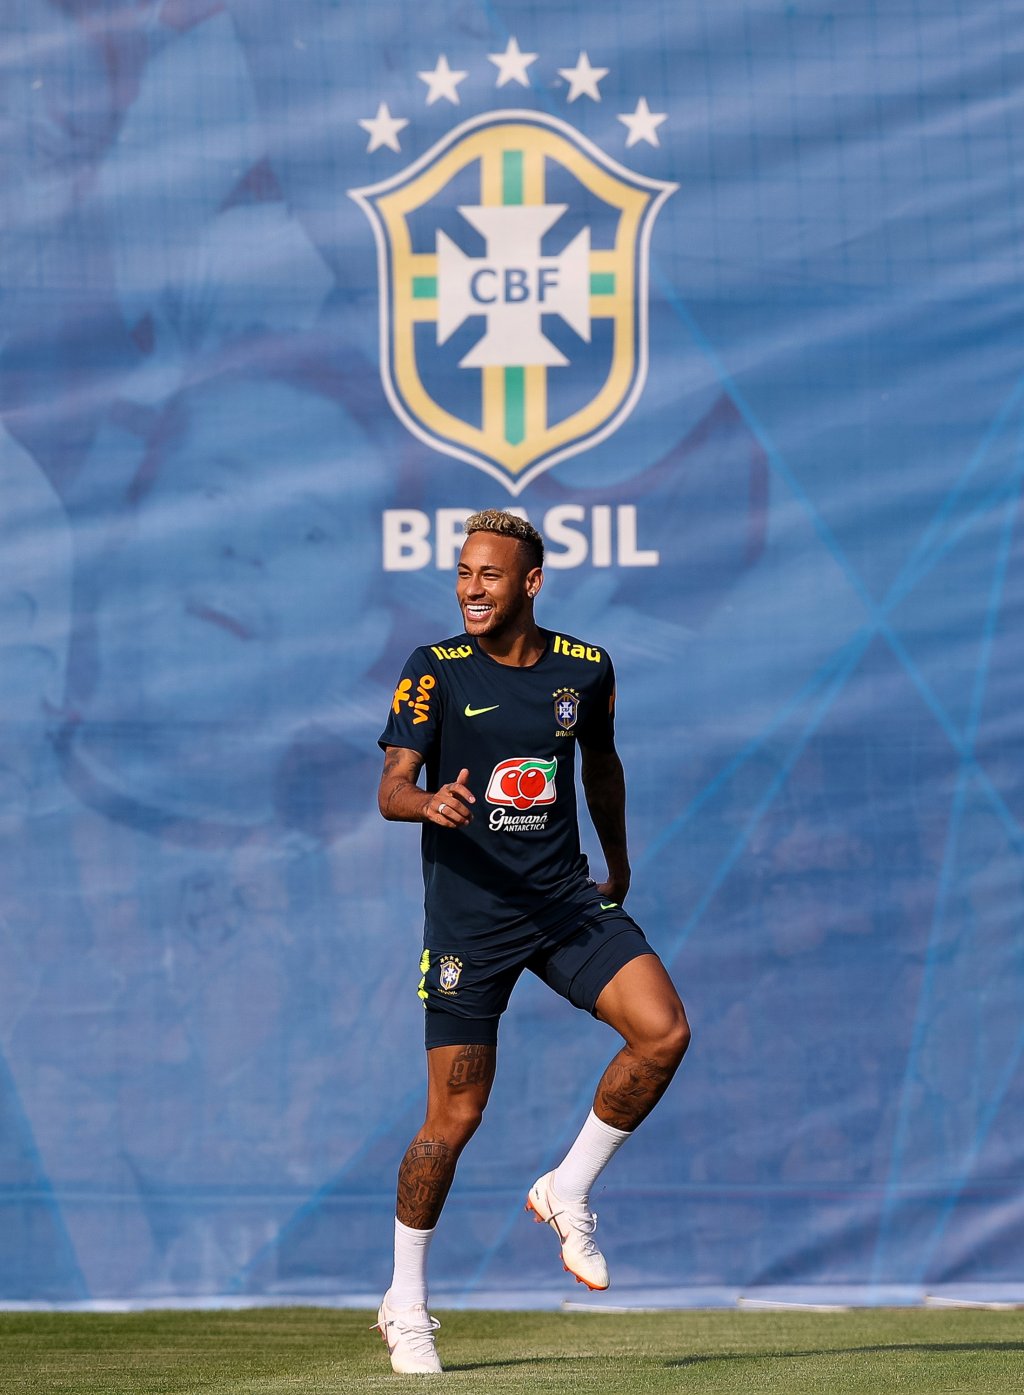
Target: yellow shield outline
{"type": "Point", "coordinates": [515, 443]}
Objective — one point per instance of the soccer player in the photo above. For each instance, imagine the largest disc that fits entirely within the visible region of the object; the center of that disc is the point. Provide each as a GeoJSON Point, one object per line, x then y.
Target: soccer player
{"type": "Point", "coordinates": [495, 715]}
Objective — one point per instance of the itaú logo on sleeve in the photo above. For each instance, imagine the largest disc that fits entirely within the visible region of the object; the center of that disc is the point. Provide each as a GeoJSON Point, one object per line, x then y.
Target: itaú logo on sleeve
{"type": "Point", "coordinates": [521, 783]}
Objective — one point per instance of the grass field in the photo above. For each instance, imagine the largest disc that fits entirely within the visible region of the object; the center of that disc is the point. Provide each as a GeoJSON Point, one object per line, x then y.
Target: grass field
{"type": "Point", "coordinates": [316, 1350]}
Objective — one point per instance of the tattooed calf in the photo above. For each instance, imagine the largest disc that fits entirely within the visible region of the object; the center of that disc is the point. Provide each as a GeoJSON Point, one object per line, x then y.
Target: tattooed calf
{"type": "Point", "coordinates": [630, 1088]}
{"type": "Point", "coordinates": [424, 1180]}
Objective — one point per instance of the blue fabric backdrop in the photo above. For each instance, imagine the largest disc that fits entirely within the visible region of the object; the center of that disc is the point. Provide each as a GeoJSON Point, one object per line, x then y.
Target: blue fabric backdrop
{"type": "Point", "coordinates": [771, 423]}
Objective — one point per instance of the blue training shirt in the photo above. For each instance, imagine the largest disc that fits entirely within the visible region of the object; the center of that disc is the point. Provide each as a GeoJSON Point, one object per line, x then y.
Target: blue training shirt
{"type": "Point", "coordinates": [516, 731]}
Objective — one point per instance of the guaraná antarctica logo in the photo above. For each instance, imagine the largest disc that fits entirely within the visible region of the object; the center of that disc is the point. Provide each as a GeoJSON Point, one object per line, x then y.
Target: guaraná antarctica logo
{"type": "Point", "coordinates": [521, 783]}
{"type": "Point", "coordinates": [513, 277]}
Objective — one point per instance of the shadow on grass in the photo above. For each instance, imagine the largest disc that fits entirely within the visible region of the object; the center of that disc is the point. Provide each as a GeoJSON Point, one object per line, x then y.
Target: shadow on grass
{"type": "Point", "coordinates": [851, 1351]}
{"type": "Point", "coordinates": [548, 1360]}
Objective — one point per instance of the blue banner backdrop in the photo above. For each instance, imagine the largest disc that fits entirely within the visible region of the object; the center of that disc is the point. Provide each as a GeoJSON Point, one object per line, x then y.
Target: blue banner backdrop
{"type": "Point", "coordinates": [727, 297]}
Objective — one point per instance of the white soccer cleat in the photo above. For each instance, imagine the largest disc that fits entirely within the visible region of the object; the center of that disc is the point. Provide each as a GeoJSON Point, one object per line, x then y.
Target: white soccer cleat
{"type": "Point", "coordinates": [575, 1230]}
{"type": "Point", "coordinates": [409, 1335]}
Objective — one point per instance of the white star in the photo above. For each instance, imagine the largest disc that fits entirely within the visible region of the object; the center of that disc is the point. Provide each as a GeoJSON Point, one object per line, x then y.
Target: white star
{"type": "Point", "coordinates": [583, 79]}
{"type": "Point", "coordinates": [383, 129]}
{"type": "Point", "coordinates": [443, 82]}
{"type": "Point", "coordinates": [643, 124]}
{"type": "Point", "coordinates": [512, 64]}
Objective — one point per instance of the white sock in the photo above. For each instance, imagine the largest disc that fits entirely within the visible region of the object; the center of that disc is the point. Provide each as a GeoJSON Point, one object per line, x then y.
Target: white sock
{"type": "Point", "coordinates": [409, 1283]}
{"type": "Point", "coordinates": [595, 1146]}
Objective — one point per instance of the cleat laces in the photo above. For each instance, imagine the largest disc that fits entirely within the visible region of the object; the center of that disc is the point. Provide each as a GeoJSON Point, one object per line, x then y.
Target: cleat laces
{"type": "Point", "coordinates": [584, 1223]}
{"type": "Point", "coordinates": [418, 1336]}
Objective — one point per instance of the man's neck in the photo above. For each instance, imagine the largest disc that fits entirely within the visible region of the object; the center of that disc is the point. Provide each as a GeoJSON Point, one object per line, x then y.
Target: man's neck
{"type": "Point", "coordinates": [518, 649]}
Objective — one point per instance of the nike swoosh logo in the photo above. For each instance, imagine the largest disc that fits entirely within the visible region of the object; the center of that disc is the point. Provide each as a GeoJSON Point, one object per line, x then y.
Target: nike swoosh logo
{"type": "Point", "coordinates": [608, 905]}
{"type": "Point", "coordinates": [476, 711]}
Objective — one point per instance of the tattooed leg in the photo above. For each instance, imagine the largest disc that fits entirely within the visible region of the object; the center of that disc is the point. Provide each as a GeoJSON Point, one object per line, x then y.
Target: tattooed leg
{"type": "Point", "coordinates": [630, 1088]}
{"type": "Point", "coordinates": [642, 1004]}
{"type": "Point", "coordinates": [473, 1066]}
{"type": "Point", "coordinates": [424, 1180]}
{"type": "Point", "coordinates": [459, 1082]}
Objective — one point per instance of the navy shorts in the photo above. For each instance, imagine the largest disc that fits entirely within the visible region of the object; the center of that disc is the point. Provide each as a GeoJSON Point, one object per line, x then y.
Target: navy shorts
{"type": "Point", "coordinates": [466, 984]}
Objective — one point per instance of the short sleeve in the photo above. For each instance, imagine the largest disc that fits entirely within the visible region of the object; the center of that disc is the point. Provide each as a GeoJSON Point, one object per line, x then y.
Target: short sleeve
{"type": "Point", "coordinates": [597, 730]}
{"type": "Point", "coordinates": [414, 719]}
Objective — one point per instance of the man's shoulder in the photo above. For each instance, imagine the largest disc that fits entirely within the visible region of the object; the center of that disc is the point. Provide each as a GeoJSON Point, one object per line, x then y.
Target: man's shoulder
{"type": "Point", "coordinates": [447, 651]}
{"type": "Point", "coordinates": [568, 646]}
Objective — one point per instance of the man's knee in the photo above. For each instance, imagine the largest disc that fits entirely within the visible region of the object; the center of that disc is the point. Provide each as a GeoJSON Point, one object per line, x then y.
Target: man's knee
{"type": "Point", "coordinates": [665, 1036]}
{"type": "Point", "coordinates": [642, 1004]}
{"type": "Point", "coordinates": [460, 1080]}
{"type": "Point", "coordinates": [457, 1115]}
{"type": "Point", "coordinates": [677, 1038]}
{"type": "Point", "coordinates": [467, 1110]}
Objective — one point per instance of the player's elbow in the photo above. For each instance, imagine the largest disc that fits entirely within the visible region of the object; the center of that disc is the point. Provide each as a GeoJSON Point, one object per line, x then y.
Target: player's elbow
{"type": "Point", "coordinates": [599, 763]}
{"type": "Point", "coordinates": [385, 802]}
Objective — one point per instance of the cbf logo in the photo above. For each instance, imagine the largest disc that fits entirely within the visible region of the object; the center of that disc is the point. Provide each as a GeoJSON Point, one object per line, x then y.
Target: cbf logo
{"type": "Point", "coordinates": [449, 973]}
{"type": "Point", "coordinates": [567, 706]}
{"type": "Point", "coordinates": [513, 266]}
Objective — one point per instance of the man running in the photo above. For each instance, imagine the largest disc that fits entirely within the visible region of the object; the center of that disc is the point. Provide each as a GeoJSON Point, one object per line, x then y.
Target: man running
{"type": "Point", "coordinates": [495, 715]}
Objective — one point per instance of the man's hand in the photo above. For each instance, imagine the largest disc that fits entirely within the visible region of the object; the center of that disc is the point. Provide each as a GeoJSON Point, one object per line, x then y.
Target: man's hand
{"type": "Point", "coordinates": [449, 807]}
{"type": "Point", "coordinates": [614, 889]}
{"type": "Point", "coordinates": [400, 797]}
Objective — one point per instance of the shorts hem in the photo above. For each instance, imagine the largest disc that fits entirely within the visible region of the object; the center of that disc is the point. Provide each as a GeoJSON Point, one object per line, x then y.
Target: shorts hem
{"type": "Point", "coordinates": [444, 1029]}
{"type": "Point", "coordinates": [620, 950]}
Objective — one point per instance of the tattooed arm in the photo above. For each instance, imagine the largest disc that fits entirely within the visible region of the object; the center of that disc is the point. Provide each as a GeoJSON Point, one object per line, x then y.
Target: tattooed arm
{"type": "Point", "coordinates": [400, 797]}
{"type": "Point", "coordinates": [604, 785]}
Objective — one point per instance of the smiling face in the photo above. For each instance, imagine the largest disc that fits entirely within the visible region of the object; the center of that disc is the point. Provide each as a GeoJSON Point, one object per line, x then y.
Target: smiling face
{"type": "Point", "coordinates": [496, 585]}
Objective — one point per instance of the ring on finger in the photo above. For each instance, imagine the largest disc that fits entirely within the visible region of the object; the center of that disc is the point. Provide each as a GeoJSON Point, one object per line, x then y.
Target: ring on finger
{"type": "Point", "coordinates": [441, 808]}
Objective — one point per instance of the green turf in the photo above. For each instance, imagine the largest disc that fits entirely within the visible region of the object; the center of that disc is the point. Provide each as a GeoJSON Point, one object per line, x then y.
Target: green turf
{"type": "Point", "coordinates": [314, 1350]}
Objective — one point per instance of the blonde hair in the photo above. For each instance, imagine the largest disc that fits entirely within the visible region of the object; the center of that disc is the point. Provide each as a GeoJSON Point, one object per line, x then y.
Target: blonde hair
{"type": "Point", "coordinates": [508, 525]}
